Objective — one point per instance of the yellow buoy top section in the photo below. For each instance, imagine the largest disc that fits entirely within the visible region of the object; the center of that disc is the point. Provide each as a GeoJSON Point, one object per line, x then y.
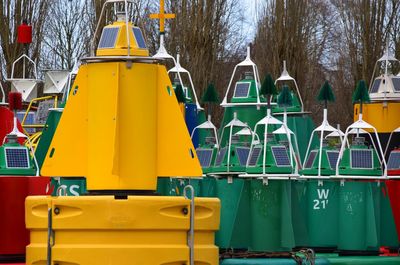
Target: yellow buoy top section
{"type": "Point", "coordinates": [114, 40]}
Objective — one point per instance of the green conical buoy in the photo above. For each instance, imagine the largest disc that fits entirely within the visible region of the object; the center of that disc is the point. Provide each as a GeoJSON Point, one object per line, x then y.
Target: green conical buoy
{"type": "Point", "coordinates": [326, 94]}
{"type": "Point", "coordinates": [268, 89]}
{"type": "Point", "coordinates": [361, 94]}
{"type": "Point", "coordinates": [285, 98]}
{"type": "Point", "coordinates": [180, 95]}
{"type": "Point", "coordinates": [211, 95]}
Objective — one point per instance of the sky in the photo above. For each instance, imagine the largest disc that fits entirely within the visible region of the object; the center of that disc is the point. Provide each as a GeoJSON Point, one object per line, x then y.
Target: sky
{"type": "Point", "coordinates": [250, 7]}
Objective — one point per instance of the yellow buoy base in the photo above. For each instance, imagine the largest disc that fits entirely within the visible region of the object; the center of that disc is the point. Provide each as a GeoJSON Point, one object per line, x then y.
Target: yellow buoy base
{"type": "Point", "coordinates": [137, 230]}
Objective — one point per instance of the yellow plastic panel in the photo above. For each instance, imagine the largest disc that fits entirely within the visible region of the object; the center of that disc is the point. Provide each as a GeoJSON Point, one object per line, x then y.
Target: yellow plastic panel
{"type": "Point", "coordinates": [384, 118]}
{"type": "Point", "coordinates": [176, 155]}
{"type": "Point", "coordinates": [67, 155]}
{"type": "Point", "coordinates": [138, 230]}
{"type": "Point", "coordinates": [102, 133]}
{"type": "Point", "coordinates": [137, 130]}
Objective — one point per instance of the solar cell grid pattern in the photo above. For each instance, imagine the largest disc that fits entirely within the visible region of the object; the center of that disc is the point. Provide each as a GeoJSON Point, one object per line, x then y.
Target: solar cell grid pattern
{"type": "Point", "coordinates": [255, 154]}
{"type": "Point", "coordinates": [108, 38]}
{"type": "Point", "coordinates": [394, 160]}
{"type": "Point", "coordinates": [139, 38]}
{"type": "Point", "coordinates": [396, 84]}
{"type": "Point", "coordinates": [220, 156]}
{"type": "Point", "coordinates": [361, 159]}
{"type": "Point", "coordinates": [310, 159]}
{"type": "Point", "coordinates": [16, 158]}
{"type": "Point", "coordinates": [242, 90]}
{"type": "Point", "coordinates": [332, 158]}
{"type": "Point", "coordinates": [204, 156]}
{"type": "Point", "coordinates": [375, 86]}
{"type": "Point", "coordinates": [281, 156]}
{"type": "Point", "coordinates": [243, 154]}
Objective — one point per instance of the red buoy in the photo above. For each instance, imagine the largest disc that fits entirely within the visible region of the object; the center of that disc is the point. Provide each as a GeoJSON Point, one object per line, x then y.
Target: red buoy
{"type": "Point", "coordinates": [24, 33]}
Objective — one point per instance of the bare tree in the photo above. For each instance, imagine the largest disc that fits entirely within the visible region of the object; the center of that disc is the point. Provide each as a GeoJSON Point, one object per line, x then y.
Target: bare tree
{"type": "Point", "coordinates": [207, 35]}
{"type": "Point", "coordinates": [299, 32]}
{"type": "Point", "coordinates": [68, 33]}
{"type": "Point", "coordinates": [12, 13]}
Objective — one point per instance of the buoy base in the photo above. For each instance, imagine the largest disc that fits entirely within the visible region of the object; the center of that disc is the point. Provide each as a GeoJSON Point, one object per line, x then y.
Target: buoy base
{"type": "Point", "coordinates": [105, 230]}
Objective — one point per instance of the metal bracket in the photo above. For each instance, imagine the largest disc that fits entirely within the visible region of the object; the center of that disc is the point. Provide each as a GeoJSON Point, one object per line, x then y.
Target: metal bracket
{"type": "Point", "coordinates": [265, 181]}
{"type": "Point", "coordinates": [190, 239]}
{"type": "Point", "coordinates": [230, 179]}
{"type": "Point", "coordinates": [320, 183]}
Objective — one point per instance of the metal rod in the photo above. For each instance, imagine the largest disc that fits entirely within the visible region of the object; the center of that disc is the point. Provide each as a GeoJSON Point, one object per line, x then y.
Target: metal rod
{"type": "Point", "coordinates": [50, 235]}
{"type": "Point", "coordinates": [191, 230]}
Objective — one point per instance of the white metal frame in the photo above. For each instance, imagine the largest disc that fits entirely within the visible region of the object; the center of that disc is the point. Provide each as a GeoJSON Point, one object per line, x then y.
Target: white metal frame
{"type": "Point", "coordinates": [246, 63]}
{"type": "Point", "coordinates": [33, 81]}
{"type": "Point", "coordinates": [360, 124]}
{"type": "Point", "coordinates": [235, 122]}
{"type": "Point", "coordinates": [324, 127]}
{"type": "Point", "coordinates": [178, 69]}
{"type": "Point", "coordinates": [207, 125]}
{"type": "Point", "coordinates": [162, 53]}
{"type": "Point", "coordinates": [286, 77]}
{"type": "Point", "coordinates": [266, 121]}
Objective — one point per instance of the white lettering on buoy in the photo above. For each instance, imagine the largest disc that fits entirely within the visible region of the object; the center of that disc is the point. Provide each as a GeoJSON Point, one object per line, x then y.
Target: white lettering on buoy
{"type": "Point", "coordinates": [322, 200]}
{"type": "Point", "coordinates": [74, 190]}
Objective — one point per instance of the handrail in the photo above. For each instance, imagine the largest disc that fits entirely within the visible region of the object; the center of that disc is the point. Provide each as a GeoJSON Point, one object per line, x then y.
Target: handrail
{"type": "Point", "coordinates": [30, 106]}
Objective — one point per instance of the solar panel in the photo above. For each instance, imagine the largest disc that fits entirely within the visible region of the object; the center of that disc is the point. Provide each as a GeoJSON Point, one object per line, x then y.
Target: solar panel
{"type": "Point", "coordinates": [204, 156]}
{"type": "Point", "coordinates": [332, 158]}
{"type": "Point", "coordinates": [108, 37]}
{"type": "Point", "coordinates": [375, 86]}
{"type": "Point", "coordinates": [243, 154]}
{"type": "Point", "coordinates": [396, 84]}
{"type": "Point", "coordinates": [139, 38]}
{"type": "Point", "coordinates": [220, 156]}
{"type": "Point", "coordinates": [310, 159]}
{"type": "Point", "coordinates": [242, 90]}
{"type": "Point", "coordinates": [361, 159]}
{"type": "Point", "coordinates": [17, 157]}
{"type": "Point", "coordinates": [281, 156]}
{"type": "Point", "coordinates": [394, 160]}
{"type": "Point", "coordinates": [255, 154]}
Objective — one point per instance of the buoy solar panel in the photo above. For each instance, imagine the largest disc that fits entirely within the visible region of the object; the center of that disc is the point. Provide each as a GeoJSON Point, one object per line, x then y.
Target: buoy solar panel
{"type": "Point", "coordinates": [16, 157]}
{"type": "Point", "coordinates": [281, 156]}
{"type": "Point", "coordinates": [242, 90]}
{"type": "Point", "coordinates": [310, 159]}
{"type": "Point", "coordinates": [361, 159]}
{"type": "Point", "coordinates": [109, 37]}
{"type": "Point", "coordinates": [332, 158]}
{"type": "Point", "coordinates": [243, 154]}
{"type": "Point", "coordinates": [204, 156]}
{"type": "Point", "coordinates": [394, 160]}
{"type": "Point", "coordinates": [255, 154]}
{"type": "Point", "coordinates": [220, 156]}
